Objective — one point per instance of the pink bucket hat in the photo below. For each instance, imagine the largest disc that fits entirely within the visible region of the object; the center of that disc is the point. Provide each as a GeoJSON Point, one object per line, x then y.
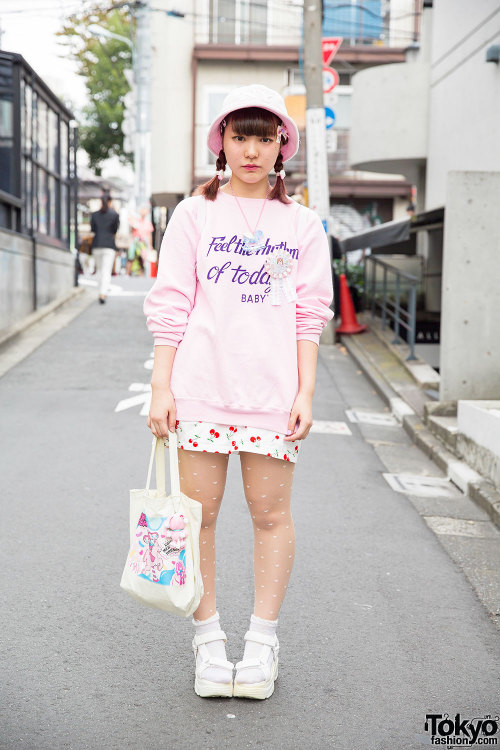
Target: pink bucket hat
{"type": "Point", "coordinates": [255, 96]}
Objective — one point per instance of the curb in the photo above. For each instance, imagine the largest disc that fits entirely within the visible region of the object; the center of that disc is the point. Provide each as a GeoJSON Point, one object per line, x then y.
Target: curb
{"type": "Point", "coordinates": [460, 473]}
{"type": "Point", "coordinates": [38, 315]}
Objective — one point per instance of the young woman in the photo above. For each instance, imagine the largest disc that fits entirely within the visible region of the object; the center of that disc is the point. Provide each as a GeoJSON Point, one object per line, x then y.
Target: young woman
{"type": "Point", "coordinates": [104, 223]}
{"type": "Point", "coordinates": [242, 294]}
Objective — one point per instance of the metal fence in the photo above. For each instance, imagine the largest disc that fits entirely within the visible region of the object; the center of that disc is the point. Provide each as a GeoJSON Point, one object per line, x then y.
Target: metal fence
{"type": "Point", "coordinates": [394, 293]}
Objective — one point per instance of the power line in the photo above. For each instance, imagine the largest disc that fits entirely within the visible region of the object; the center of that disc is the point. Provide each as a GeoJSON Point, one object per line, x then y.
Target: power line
{"type": "Point", "coordinates": [372, 30]}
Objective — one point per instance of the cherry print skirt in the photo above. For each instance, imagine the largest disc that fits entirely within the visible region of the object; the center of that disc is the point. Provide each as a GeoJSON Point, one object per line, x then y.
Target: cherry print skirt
{"type": "Point", "coordinates": [210, 437]}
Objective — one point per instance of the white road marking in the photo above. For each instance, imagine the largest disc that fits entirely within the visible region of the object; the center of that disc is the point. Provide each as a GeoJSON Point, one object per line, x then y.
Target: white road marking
{"type": "Point", "coordinates": [144, 398]}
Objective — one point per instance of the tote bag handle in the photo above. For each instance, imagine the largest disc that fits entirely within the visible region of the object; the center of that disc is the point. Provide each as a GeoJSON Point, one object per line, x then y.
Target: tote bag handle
{"type": "Point", "coordinates": [158, 452]}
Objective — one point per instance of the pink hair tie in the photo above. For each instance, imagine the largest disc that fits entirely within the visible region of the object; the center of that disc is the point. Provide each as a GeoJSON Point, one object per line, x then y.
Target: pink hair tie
{"type": "Point", "coordinates": [220, 174]}
{"type": "Point", "coordinates": [281, 174]}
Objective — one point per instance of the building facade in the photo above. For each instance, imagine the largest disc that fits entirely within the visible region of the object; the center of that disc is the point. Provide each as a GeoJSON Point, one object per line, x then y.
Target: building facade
{"type": "Point", "coordinates": [37, 192]}
{"type": "Point", "coordinates": [438, 127]}
{"type": "Point", "coordinates": [221, 44]}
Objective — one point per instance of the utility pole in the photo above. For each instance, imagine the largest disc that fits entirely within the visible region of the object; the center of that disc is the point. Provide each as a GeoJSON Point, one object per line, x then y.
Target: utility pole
{"type": "Point", "coordinates": [318, 189]}
{"type": "Point", "coordinates": [142, 74]}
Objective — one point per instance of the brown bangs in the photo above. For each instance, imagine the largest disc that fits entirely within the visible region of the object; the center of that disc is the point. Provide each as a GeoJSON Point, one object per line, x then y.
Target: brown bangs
{"type": "Point", "coordinates": [254, 121]}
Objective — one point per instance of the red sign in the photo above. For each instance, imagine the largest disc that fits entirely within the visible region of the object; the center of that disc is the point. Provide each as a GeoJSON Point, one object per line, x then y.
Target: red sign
{"type": "Point", "coordinates": [330, 79]}
{"type": "Point", "coordinates": [329, 47]}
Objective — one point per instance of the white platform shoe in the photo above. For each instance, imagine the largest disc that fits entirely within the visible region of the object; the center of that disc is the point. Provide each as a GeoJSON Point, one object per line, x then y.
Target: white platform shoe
{"type": "Point", "coordinates": [206, 688]}
{"type": "Point", "coordinates": [264, 689]}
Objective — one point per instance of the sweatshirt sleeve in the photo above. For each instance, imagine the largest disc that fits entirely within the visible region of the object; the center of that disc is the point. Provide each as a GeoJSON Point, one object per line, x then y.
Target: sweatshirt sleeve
{"type": "Point", "coordinates": [170, 300]}
{"type": "Point", "coordinates": [314, 279]}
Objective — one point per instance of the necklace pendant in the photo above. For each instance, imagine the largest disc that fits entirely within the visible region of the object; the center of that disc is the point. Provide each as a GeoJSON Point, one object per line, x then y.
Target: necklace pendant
{"type": "Point", "coordinates": [253, 242]}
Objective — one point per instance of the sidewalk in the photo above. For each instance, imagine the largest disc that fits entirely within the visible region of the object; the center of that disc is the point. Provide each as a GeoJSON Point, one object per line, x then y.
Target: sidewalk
{"type": "Point", "coordinates": [392, 608]}
{"type": "Point", "coordinates": [410, 390]}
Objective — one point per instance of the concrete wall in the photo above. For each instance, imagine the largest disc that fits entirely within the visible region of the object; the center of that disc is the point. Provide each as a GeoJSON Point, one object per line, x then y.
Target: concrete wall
{"type": "Point", "coordinates": [470, 317]}
{"type": "Point", "coordinates": [172, 40]}
{"type": "Point", "coordinates": [55, 276]}
{"type": "Point", "coordinates": [464, 108]}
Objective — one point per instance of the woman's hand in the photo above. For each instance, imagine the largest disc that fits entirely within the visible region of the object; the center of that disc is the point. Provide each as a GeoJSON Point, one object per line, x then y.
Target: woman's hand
{"type": "Point", "coordinates": [162, 412]}
{"type": "Point", "coordinates": [301, 420]}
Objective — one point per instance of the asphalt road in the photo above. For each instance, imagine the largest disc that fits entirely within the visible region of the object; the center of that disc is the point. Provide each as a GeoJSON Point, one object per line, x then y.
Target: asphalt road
{"type": "Point", "coordinates": [386, 618]}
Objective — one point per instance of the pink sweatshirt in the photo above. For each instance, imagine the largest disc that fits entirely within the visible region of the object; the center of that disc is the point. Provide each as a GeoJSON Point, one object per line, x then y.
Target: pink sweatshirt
{"type": "Point", "coordinates": [236, 359]}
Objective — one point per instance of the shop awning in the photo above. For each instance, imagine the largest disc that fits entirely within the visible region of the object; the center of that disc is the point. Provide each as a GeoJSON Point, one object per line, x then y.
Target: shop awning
{"type": "Point", "coordinates": [378, 236]}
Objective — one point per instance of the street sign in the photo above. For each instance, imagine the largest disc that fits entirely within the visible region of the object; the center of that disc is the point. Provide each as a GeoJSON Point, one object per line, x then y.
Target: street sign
{"type": "Point", "coordinates": [329, 118]}
{"type": "Point", "coordinates": [329, 47]}
{"type": "Point", "coordinates": [330, 79]}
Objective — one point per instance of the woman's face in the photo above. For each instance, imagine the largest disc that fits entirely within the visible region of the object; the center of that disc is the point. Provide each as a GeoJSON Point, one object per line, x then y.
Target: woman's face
{"type": "Point", "coordinates": [250, 157]}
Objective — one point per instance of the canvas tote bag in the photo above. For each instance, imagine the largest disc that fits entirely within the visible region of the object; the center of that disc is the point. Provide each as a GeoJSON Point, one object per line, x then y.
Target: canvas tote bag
{"type": "Point", "coordinates": [163, 564]}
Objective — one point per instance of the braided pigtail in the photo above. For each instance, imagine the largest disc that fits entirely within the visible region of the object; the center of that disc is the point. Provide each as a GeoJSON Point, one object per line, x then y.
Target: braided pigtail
{"type": "Point", "coordinates": [279, 190]}
{"type": "Point", "coordinates": [211, 188]}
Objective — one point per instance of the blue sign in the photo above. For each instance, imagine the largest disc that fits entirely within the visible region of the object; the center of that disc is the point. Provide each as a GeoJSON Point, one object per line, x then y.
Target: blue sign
{"type": "Point", "coordinates": [329, 118]}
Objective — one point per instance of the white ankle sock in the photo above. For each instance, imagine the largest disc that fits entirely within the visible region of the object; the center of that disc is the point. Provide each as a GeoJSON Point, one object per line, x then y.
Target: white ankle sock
{"type": "Point", "coordinates": [254, 650]}
{"type": "Point", "coordinates": [215, 648]}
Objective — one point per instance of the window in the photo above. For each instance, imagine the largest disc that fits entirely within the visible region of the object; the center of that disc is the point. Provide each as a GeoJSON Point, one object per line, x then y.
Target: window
{"type": "Point", "coordinates": [213, 98]}
{"type": "Point", "coordinates": [34, 154]}
{"type": "Point", "coordinates": [358, 22]}
{"type": "Point", "coordinates": [237, 22]}
{"type": "Point", "coordinates": [6, 129]}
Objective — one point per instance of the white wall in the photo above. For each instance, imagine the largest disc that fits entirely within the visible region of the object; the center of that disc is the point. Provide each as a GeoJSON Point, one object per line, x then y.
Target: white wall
{"type": "Point", "coordinates": [172, 41]}
{"type": "Point", "coordinates": [464, 107]}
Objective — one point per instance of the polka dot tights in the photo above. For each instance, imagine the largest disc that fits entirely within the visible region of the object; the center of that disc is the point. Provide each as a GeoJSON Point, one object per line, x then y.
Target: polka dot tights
{"type": "Point", "coordinates": [267, 484]}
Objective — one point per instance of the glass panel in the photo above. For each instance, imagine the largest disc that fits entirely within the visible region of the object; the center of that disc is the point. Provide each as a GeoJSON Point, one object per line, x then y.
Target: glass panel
{"type": "Point", "coordinates": [64, 149]}
{"type": "Point", "coordinates": [34, 196]}
{"type": "Point", "coordinates": [41, 141]}
{"type": "Point", "coordinates": [27, 212]}
{"type": "Point", "coordinates": [43, 202]}
{"type": "Point", "coordinates": [53, 229]}
{"type": "Point", "coordinates": [258, 23]}
{"type": "Point", "coordinates": [26, 133]}
{"type": "Point", "coordinates": [64, 212]}
{"type": "Point", "coordinates": [53, 141]}
{"type": "Point", "coordinates": [342, 110]}
{"type": "Point", "coordinates": [6, 142]}
{"type": "Point", "coordinates": [225, 22]}
{"type": "Point", "coordinates": [215, 99]}
{"type": "Point", "coordinates": [357, 22]}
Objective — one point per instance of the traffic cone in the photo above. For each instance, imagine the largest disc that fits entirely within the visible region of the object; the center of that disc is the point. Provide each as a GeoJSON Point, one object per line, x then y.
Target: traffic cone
{"type": "Point", "coordinates": [348, 324]}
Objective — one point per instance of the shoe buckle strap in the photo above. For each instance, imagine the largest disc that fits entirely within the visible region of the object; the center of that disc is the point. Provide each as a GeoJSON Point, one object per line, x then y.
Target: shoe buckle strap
{"type": "Point", "coordinates": [265, 640]}
{"type": "Point", "coordinates": [214, 635]}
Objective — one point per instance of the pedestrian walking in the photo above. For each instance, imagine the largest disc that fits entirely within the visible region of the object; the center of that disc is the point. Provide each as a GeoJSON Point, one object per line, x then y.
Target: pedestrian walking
{"type": "Point", "coordinates": [104, 223]}
{"type": "Point", "coordinates": [242, 294]}
{"type": "Point", "coordinates": [141, 247]}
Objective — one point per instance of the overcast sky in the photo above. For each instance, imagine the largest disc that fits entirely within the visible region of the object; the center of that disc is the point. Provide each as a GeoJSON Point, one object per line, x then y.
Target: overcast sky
{"type": "Point", "coordinates": [28, 27]}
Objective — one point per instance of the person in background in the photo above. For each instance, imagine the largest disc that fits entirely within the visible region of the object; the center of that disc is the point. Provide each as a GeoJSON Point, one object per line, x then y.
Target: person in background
{"type": "Point", "coordinates": [141, 247]}
{"type": "Point", "coordinates": [104, 224]}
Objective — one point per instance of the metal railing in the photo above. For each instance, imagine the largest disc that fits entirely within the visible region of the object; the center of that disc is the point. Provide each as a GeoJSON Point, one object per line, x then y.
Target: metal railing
{"type": "Point", "coordinates": [388, 299]}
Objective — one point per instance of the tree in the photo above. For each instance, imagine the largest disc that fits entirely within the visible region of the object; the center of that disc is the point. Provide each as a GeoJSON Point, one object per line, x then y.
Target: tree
{"type": "Point", "coordinates": [102, 62]}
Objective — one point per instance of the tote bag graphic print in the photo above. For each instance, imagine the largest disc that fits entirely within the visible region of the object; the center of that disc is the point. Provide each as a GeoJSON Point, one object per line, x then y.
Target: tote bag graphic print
{"type": "Point", "coordinates": [158, 552]}
{"type": "Point", "coordinates": [162, 568]}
